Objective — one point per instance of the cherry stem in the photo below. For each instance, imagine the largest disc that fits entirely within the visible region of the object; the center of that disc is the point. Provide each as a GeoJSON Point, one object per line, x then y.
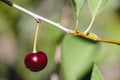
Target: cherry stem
{"type": "Point", "coordinates": [90, 25]}
{"type": "Point", "coordinates": [36, 36]}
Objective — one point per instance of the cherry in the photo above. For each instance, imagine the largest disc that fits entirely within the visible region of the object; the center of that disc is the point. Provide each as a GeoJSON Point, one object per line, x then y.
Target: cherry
{"type": "Point", "coordinates": [36, 61]}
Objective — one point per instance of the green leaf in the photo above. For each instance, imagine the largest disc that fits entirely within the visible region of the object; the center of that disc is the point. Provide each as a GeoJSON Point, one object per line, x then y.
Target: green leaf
{"type": "Point", "coordinates": [77, 5]}
{"type": "Point", "coordinates": [96, 6]}
{"type": "Point", "coordinates": [96, 75]}
{"type": "Point", "coordinates": [77, 56]}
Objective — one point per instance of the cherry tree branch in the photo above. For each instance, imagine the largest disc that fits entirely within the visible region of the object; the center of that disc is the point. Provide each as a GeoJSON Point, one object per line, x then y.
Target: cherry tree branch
{"type": "Point", "coordinates": [36, 17]}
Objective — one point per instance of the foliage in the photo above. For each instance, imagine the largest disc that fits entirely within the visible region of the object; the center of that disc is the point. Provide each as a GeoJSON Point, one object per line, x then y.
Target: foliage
{"type": "Point", "coordinates": [77, 6]}
{"type": "Point", "coordinates": [96, 75]}
{"type": "Point", "coordinates": [78, 54]}
{"type": "Point", "coordinates": [96, 6]}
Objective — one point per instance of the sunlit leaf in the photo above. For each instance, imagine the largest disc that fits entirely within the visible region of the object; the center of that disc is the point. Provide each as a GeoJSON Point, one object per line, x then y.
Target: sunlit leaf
{"type": "Point", "coordinates": [96, 75]}
{"type": "Point", "coordinates": [77, 56]}
{"type": "Point", "coordinates": [77, 5]}
{"type": "Point", "coordinates": [96, 6]}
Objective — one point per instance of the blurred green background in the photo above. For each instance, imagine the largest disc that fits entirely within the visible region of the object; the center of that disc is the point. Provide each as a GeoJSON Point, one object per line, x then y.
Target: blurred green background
{"type": "Point", "coordinates": [17, 35]}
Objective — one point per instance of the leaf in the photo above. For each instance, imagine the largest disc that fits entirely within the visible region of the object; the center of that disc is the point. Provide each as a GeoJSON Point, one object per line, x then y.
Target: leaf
{"type": "Point", "coordinates": [96, 75]}
{"type": "Point", "coordinates": [96, 6]}
{"type": "Point", "coordinates": [77, 56]}
{"type": "Point", "coordinates": [77, 5]}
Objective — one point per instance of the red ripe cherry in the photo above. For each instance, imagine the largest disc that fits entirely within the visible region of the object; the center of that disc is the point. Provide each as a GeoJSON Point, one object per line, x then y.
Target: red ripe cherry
{"type": "Point", "coordinates": [36, 61]}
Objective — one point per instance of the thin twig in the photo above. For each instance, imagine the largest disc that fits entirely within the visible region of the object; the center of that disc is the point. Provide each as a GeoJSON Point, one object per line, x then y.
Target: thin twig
{"type": "Point", "coordinates": [35, 16]}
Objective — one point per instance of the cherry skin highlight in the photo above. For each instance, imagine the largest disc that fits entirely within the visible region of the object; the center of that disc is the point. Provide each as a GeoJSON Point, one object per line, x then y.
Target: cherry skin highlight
{"type": "Point", "coordinates": [36, 61]}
